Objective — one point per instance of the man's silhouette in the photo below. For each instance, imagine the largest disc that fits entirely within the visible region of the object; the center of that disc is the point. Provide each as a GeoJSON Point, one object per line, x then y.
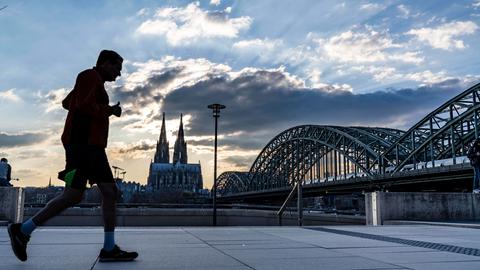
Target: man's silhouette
{"type": "Point", "coordinates": [84, 139]}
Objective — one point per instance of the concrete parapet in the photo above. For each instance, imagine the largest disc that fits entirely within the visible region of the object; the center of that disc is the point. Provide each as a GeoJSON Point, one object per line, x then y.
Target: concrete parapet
{"type": "Point", "coordinates": [426, 206]}
{"type": "Point", "coordinates": [191, 217]}
{"type": "Point", "coordinates": [11, 203]}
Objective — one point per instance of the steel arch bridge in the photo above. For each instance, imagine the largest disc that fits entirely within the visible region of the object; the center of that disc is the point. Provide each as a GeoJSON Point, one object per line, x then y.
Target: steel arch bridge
{"type": "Point", "coordinates": [317, 153]}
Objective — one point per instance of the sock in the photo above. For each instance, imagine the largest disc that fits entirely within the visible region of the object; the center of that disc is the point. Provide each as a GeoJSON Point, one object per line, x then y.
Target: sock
{"type": "Point", "coordinates": [28, 227]}
{"type": "Point", "coordinates": [109, 241]}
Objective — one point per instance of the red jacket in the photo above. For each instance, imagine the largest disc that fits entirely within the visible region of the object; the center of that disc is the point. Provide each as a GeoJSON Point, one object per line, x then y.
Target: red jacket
{"type": "Point", "coordinates": [88, 111]}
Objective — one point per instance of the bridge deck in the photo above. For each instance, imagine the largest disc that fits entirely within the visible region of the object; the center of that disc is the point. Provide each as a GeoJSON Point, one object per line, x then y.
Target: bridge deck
{"type": "Point", "coordinates": [456, 178]}
{"type": "Point", "coordinates": [339, 247]}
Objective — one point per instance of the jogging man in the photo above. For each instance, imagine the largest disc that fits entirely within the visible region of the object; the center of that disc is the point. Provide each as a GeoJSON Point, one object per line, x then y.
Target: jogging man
{"type": "Point", "coordinates": [84, 138]}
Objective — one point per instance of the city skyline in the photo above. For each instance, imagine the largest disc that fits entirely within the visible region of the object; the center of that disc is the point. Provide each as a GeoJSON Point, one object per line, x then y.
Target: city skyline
{"type": "Point", "coordinates": [387, 66]}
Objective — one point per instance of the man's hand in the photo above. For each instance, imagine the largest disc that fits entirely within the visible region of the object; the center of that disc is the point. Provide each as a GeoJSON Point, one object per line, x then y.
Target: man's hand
{"type": "Point", "coordinates": [117, 110]}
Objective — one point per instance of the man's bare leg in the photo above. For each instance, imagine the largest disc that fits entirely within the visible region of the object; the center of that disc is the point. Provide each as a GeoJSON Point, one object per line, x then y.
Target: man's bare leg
{"type": "Point", "coordinates": [110, 251]}
{"type": "Point", "coordinates": [109, 200]}
{"type": "Point", "coordinates": [68, 198]}
{"type": "Point", "coordinates": [109, 205]}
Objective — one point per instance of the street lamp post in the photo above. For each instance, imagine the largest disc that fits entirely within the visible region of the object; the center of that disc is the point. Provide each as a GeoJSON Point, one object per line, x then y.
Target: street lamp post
{"type": "Point", "coordinates": [216, 113]}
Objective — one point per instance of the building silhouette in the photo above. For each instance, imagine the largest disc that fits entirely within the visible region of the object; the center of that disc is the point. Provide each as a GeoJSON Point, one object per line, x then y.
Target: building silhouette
{"type": "Point", "coordinates": [178, 175]}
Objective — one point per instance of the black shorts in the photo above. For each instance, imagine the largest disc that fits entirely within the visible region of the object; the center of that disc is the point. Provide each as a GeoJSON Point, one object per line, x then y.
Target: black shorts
{"type": "Point", "coordinates": [90, 163]}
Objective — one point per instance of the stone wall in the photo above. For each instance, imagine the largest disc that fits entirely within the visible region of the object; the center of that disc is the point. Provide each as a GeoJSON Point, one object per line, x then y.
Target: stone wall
{"type": "Point", "coordinates": [424, 206]}
{"type": "Point", "coordinates": [11, 203]}
{"type": "Point", "coordinates": [191, 217]}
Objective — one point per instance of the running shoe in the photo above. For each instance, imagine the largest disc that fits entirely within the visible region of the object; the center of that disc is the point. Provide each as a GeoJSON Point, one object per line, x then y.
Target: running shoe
{"type": "Point", "coordinates": [18, 240]}
{"type": "Point", "coordinates": [117, 255]}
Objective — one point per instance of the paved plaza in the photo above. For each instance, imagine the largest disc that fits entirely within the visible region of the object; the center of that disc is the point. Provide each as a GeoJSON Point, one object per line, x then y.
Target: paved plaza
{"type": "Point", "coordinates": [238, 248]}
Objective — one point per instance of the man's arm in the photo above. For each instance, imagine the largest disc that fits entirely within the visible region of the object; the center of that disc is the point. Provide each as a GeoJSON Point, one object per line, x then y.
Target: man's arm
{"type": "Point", "coordinates": [86, 100]}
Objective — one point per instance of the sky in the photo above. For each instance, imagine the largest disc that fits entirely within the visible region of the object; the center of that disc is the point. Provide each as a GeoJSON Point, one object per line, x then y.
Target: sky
{"type": "Point", "coordinates": [273, 64]}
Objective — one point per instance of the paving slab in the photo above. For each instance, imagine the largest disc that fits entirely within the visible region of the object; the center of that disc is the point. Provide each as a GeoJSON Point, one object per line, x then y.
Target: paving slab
{"type": "Point", "coordinates": [243, 248]}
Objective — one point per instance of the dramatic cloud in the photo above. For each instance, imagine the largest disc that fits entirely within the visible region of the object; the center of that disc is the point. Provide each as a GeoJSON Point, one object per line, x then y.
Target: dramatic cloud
{"type": "Point", "coordinates": [23, 139]}
{"type": "Point", "coordinates": [258, 103]}
{"type": "Point", "coordinates": [9, 95]}
{"type": "Point", "coordinates": [444, 36]}
{"type": "Point", "coordinates": [365, 47]}
{"type": "Point", "coordinates": [261, 103]}
{"type": "Point", "coordinates": [183, 26]}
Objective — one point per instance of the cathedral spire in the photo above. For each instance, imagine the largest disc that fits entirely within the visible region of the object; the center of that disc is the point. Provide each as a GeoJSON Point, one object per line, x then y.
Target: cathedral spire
{"type": "Point", "coordinates": [180, 148]}
{"type": "Point", "coordinates": [163, 132]}
{"type": "Point", "coordinates": [161, 154]}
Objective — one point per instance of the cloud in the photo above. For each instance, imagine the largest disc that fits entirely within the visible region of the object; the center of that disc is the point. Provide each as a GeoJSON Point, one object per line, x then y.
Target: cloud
{"type": "Point", "coordinates": [23, 155]}
{"type": "Point", "coordinates": [257, 44]}
{"type": "Point", "coordinates": [22, 139]}
{"type": "Point", "coordinates": [476, 4]}
{"type": "Point", "coordinates": [53, 99]}
{"type": "Point", "coordinates": [367, 46]}
{"type": "Point", "coordinates": [380, 73]}
{"type": "Point", "coordinates": [24, 174]}
{"type": "Point", "coordinates": [444, 36]}
{"type": "Point", "coordinates": [215, 2]}
{"type": "Point", "coordinates": [9, 95]}
{"type": "Point", "coordinates": [186, 25]}
{"type": "Point", "coordinates": [262, 50]}
{"type": "Point", "coordinates": [240, 162]}
{"type": "Point", "coordinates": [372, 7]}
{"type": "Point", "coordinates": [259, 103]}
{"type": "Point", "coordinates": [139, 146]}
{"type": "Point", "coordinates": [137, 150]}
{"type": "Point", "coordinates": [142, 91]}
{"type": "Point", "coordinates": [142, 12]}
{"type": "Point", "coordinates": [428, 77]}
{"type": "Point", "coordinates": [391, 74]}
{"type": "Point", "coordinates": [408, 57]}
{"type": "Point", "coordinates": [404, 11]}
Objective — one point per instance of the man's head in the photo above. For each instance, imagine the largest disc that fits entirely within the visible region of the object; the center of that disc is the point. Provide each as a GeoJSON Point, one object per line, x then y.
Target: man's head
{"type": "Point", "coordinates": [110, 65]}
{"type": "Point", "coordinates": [4, 160]}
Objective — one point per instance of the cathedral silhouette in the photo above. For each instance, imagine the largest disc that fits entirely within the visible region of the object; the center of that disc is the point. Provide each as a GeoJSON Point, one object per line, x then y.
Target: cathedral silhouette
{"type": "Point", "coordinates": [178, 175]}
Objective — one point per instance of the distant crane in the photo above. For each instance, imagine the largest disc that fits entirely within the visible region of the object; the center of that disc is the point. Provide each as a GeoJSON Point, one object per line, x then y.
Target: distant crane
{"type": "Point", "coordinates": [117, 171]}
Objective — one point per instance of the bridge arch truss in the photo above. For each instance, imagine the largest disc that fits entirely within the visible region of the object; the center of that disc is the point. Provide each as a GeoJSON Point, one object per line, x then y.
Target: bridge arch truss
{"type": "Point", "coordinates": [317, 153]}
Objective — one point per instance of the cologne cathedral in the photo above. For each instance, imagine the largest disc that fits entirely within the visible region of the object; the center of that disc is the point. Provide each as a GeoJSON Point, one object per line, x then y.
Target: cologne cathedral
{"type": "Point", "coordinates": [178, 175]}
